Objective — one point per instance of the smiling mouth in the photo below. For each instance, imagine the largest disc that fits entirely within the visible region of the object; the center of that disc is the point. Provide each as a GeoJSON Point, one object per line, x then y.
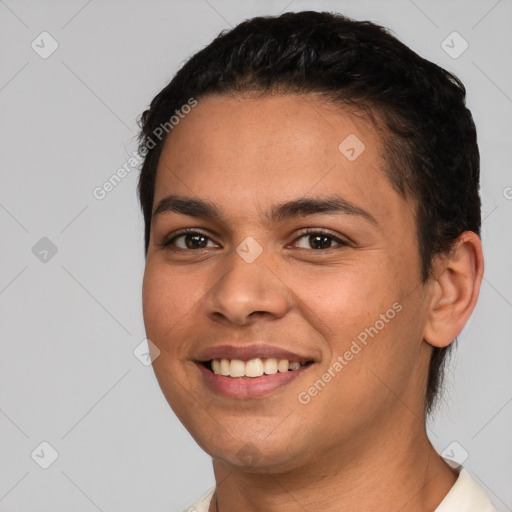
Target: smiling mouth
{"type": "Point", "coordinates": [253, 368]}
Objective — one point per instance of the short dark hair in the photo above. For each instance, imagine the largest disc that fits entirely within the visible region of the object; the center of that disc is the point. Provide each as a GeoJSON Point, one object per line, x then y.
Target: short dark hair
{"type": "Point", "coordinates": [428, 136]}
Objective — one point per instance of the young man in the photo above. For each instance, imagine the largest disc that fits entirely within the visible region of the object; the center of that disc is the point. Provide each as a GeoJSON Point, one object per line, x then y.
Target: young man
{"type": "Point", "coordinates": [310, 194]}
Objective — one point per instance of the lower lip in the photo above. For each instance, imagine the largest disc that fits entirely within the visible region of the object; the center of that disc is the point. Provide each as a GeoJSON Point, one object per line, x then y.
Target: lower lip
{"type": "Point", "coordinates": [249, 387]}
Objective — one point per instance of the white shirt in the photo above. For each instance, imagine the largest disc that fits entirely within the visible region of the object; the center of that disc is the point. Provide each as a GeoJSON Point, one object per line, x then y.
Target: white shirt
{"type": "Point", "coordinates": [465, 496]}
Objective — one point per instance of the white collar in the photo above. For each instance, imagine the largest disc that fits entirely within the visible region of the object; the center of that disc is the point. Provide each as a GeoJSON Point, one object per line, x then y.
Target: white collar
{"type": "Point", "coordinates": [465, 495]}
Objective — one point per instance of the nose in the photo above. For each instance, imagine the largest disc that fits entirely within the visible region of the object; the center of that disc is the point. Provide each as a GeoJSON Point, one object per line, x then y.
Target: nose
{"type": "Point", "coordinates": [247, 290]}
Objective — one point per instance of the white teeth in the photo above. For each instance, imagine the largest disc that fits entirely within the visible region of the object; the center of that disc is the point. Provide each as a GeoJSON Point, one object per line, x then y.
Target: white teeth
{"type": "Point", "coordinates": [283, 365]}
{"type": "Point", "coordinates": [224, 367]}
{"type": "Point", "coordinates": [236, 368]}
{"type": "Point", "coordinates": [270, 366]}
{"type": "Point", "coordinates": [254, 367]}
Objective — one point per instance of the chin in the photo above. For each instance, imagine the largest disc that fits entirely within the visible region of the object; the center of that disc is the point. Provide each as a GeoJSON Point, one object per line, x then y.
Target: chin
{"type": "Point", "coordinates": [247, 453]}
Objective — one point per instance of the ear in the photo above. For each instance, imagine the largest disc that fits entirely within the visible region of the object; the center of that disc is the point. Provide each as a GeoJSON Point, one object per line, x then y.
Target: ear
{"type": "Point", "coordinates": [454, 290]}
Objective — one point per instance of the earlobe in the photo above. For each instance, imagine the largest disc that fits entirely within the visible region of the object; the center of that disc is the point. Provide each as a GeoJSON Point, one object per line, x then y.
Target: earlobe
{"type": "Point", "coordinates": [455, 289]}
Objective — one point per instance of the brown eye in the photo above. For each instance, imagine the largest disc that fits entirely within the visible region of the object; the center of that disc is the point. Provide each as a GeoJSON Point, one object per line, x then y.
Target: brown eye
{"type": "Point", "coordinates": [194, 241]}
{"type": "Point", "coordinates": [318, 240]}
{"type": "Point", "coordinates": [190, 240]}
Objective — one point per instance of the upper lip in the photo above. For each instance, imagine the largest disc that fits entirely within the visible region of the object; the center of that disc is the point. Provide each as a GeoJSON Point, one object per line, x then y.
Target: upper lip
{"type": "Point", "coordinates": [247, 352]}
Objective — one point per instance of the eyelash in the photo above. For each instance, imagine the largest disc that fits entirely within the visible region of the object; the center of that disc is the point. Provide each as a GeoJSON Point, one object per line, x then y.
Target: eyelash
{"type": "Point", "coordinates": [168, 243]}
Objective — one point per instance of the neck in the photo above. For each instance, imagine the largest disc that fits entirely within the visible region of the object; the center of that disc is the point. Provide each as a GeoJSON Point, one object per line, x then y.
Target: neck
{"type": "Point", "coordinates": [387, 469]}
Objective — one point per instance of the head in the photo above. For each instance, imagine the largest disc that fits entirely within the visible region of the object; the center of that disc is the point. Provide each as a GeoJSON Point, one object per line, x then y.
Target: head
{"type": "Point", "coordinates": [265, 115]}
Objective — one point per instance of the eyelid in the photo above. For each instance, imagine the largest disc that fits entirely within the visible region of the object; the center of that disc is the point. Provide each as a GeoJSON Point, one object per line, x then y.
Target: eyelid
{"type": "Point", "coordinates": [167, 241]}
{"type": "Point", "coordinates": [322, 231]}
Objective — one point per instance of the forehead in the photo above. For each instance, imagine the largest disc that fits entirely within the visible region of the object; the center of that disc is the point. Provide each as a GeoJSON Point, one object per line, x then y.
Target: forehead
{"type": "Point", "coordinates": [242, 151]}
{"type": "Point", "coordinates": [292, 126]}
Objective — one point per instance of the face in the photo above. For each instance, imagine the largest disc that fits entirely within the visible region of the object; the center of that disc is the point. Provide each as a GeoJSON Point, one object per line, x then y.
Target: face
{"type": "Point", "coordinates": [299, 255]}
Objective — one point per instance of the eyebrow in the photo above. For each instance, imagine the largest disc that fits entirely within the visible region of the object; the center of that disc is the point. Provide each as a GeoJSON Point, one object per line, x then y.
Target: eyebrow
{"type": "Point", "coordinates": [200, 208]}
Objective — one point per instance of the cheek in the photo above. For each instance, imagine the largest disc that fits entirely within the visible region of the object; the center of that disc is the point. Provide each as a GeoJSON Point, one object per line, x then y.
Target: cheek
{"type": "Point", "coordinates": [350, 300]}
{"type": "Point", "coordinates": [370, 319]}
{"type": "Point", "coordinates": [380, 355]}
{"type": "Point", "coordinates": [168, 299]}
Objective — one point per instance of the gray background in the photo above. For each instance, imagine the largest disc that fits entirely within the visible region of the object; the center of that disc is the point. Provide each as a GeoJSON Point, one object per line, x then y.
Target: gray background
{"type": "Point", "coordinates": [69, 323]}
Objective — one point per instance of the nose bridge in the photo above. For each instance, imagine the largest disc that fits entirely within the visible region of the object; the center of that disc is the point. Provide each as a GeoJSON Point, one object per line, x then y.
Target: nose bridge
{"type": "Point", "coordinates": [248, 285]}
